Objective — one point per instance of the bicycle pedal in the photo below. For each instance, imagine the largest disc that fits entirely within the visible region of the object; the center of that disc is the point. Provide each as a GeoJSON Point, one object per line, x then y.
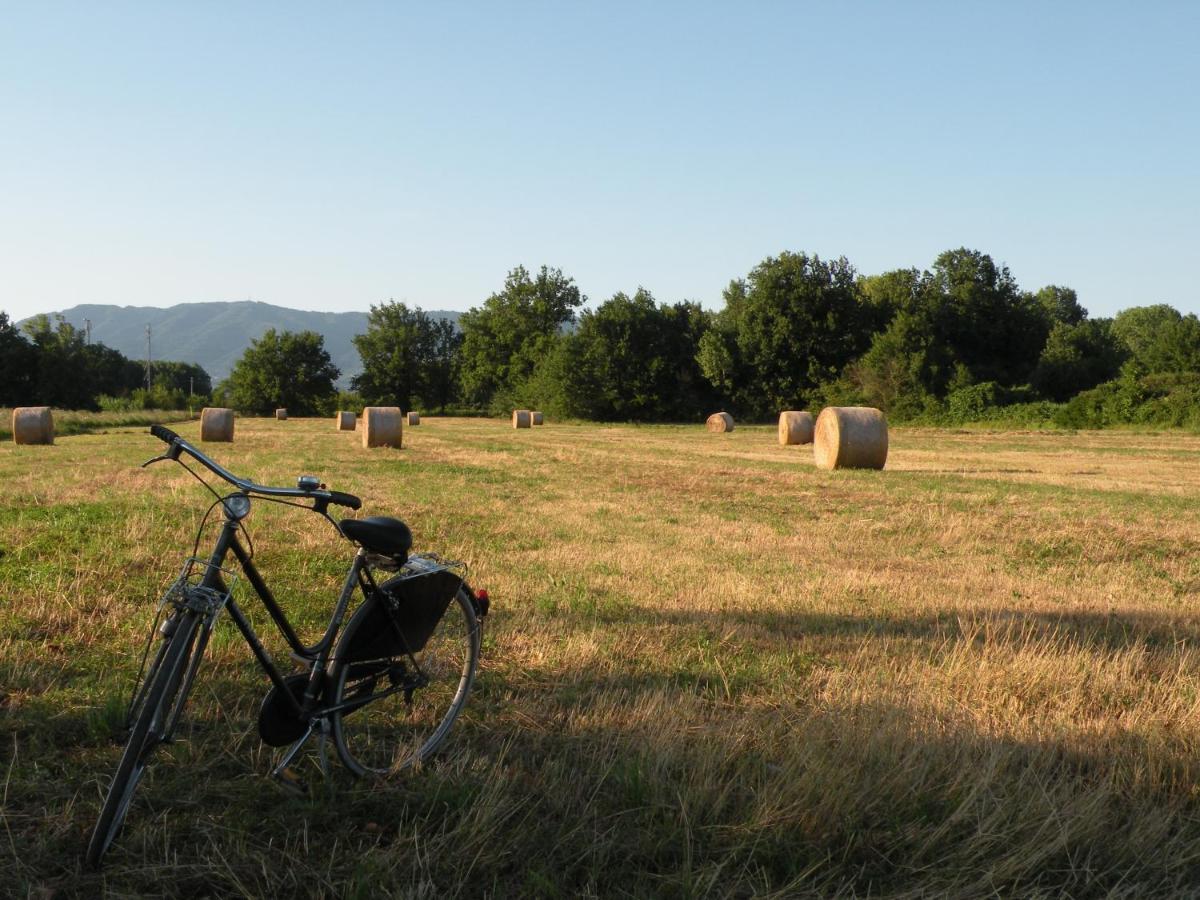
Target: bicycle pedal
{"type": "Point", "coordinates": [289, 780]}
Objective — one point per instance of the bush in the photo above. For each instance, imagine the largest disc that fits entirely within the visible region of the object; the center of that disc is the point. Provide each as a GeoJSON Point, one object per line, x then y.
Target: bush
{"type": "Point", "coordinates": [1111, 403]}
{"type": "Point", "coordinates": [349, 401]}
{"type": "Point", "coordinates": [985, 402]}
{"type": "Point", "coordinates": [158, 397]}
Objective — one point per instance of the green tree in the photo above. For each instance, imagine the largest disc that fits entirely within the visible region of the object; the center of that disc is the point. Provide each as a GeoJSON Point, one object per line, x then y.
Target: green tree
{"type": "Point", "coordinates": [70, 373]}
{"type": "Point", "coordinates": [991, 327]}
{"type": "Point", "coordinates": [1061, 305]}
{"type": "Point", "coordinates": [406, 354]}
{"type": "Point", "coordinates": [888, 294]}
{"type": "Point", "coordinates": [793, 324]}
{"type": "Point", "coordinates": [111, 372]}
{"type": "Point", "coordinates": [636, 360]}
{"type": "Point", "coordinates": [1077, 358]}
{"type": "Point", "coordinates": [392, 349]}
{"type": "Point", "coordinates": [182, 377]}
{"type": "Point", "coordinates": [441, 367]}
{"type": "Point", "coordinates": [515, 329]}
{"type": "Point", "coordinates": [18, 365]}
{"type": "Point", "coordinates": [965, 322]}
{"type": "Point", "coordinates": [903, 363]}
{"type": "Point", "coordinates": [283, 369]}
{"type": "Point", "coordinates": [1159, 338]}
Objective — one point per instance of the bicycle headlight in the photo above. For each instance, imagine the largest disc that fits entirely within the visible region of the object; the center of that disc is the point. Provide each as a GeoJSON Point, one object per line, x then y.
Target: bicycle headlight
{"type": "Point", "coordinates": [237, 506]}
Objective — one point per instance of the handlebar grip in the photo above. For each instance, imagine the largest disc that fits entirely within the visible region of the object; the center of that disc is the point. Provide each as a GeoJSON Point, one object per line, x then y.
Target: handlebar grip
{"type": "Point", "coordinates": [340, 499]}
{"type": "Point", "coordinates": [164, 434]}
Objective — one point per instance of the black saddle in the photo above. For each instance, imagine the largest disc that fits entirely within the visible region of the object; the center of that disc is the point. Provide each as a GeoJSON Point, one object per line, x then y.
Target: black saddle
{"type": "Point", "coordinates": [380, 534]}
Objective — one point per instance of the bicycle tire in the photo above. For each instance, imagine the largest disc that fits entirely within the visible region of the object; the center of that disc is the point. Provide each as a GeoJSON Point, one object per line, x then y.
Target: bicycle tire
{"type": "Point", "coordinates": [147, 677]}
{"type": "Point", "coordinates": [143, 738]}
{"type": "Point", "coordinates": [382, 736]}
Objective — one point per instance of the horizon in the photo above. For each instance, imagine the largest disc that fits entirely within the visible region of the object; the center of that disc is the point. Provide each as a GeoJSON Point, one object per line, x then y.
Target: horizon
{"type": "Point", "coordinates": [420, 154]}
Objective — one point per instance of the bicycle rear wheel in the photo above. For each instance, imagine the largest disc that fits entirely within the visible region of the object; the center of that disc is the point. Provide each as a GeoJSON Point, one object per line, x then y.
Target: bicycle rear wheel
{"type": "Point", "coordinates": [400, 712]}
{"type": "Point", "coordinates": [153, 703]}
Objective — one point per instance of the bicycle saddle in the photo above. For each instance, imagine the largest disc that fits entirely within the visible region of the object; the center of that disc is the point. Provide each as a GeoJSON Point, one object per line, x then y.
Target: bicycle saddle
{"type": "Point", "coordinates": [380, 534]}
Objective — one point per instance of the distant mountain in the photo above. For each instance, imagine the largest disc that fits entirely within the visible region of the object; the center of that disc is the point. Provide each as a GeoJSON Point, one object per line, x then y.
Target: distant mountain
{"type": "Point", "coordinates": [215, 334]}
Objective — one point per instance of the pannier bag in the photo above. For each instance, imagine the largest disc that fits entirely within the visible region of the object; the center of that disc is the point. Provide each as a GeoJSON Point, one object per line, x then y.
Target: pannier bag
{"type": "Point", "coordinates": [403, 613]}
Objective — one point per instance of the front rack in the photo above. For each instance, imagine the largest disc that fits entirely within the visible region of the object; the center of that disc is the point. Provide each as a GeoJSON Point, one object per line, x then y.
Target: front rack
{"type": "Point", "coordinates": [187, 592]}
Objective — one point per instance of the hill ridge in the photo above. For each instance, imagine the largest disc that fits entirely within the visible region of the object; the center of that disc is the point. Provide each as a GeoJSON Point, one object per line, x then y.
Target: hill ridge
{"type": "Point", "coordinates": [214, 333]}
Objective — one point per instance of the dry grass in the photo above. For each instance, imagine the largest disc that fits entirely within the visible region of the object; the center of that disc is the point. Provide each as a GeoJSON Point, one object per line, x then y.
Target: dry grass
{"type": "Point", "coordinates": [711, 668]}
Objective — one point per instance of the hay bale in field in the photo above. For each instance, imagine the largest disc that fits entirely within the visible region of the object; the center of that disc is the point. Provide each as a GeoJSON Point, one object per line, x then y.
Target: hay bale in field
{"type": "Point", "coordinates": [346, 421]}
{"type": "Point", "coordinates": [216, 424]}
{"type": "Point", "coordinates": [536, 418]}
{"type": "Point", "coordinates": [33, 425]}
{"type": "Point", "coordinates": [383, 426]}
{"type": "Point", "coordinates": [850, 437]}
{"type": "Point", "coordinates": [795, 427]}
{"type": "Point", "coordinates": [281, 414]}
{"type": "Point", "coordinates": [522, 418]}
{"type": "Point", "coordinates": [719, 422]}
{"type": "Point", "coordinates": [414, 418]}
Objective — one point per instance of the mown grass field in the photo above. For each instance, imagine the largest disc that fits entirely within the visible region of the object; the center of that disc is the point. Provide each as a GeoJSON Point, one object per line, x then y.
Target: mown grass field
{"type": "Point", "coordinates": [711, 669]}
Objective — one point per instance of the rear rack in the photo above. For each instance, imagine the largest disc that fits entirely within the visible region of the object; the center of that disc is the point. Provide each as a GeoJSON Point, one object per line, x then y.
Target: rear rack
{"type": "Point", "coordinates": [417, 565]}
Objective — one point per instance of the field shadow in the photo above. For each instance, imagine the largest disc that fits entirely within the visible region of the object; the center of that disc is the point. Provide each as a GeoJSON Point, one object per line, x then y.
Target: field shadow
{"type": "Point", "coordinates": [637, 782]}
{"type": "Point", "coordinates": [1086, 630]}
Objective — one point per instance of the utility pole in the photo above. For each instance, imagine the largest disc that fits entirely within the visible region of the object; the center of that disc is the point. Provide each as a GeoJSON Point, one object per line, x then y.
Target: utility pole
{"type": "Point", "coordinates": [149, 357]}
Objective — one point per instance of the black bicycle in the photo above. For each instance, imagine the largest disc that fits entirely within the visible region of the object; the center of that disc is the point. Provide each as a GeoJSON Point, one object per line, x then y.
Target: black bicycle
{"type": "Point", "coordinates": [386, 688]}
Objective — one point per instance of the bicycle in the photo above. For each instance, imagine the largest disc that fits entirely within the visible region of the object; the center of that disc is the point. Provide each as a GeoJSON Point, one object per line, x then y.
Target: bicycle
{"type": "Point", "coordinates": [386, 689]}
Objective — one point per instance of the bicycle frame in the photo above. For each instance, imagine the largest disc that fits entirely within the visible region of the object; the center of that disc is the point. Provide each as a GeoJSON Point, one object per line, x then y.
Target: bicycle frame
{"type": "Point", "coordinates": [318, 654]}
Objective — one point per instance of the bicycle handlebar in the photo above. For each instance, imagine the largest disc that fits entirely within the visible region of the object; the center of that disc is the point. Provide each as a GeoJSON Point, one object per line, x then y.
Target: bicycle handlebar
{"type": "Point", "coordinates": [323, 497]}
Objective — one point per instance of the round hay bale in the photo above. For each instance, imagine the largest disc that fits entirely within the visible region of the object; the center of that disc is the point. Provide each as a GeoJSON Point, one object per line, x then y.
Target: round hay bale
{"type": "Point", "coordinates": [536, 418]}
{"type": "Point", "coordinates": [281, 414]}
{"type": "Point", "coordinates": [719, 422]}
{"type": "Point", "coordinates": [346, 421]}
{"type": "Point", "coordinates": [850, 437]}
{"type": "Point", "coordinates": [216, 424]}
{"type": "Point", "coordinates": [383, 426]}
{"type": "Point", "coordinates": [795, 427]}
{"type": "Point", "coordinates": [33, 425]}
{"type": "Point", "coordinates": [414, 418]}
{"type": "Point", "coordinates": [522, 418]}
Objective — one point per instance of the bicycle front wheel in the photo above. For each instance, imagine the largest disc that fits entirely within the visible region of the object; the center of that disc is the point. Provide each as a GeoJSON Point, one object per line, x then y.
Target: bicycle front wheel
{"type": "Point", "coordinates": [152, 704]}
{"type": "Point", "coordinates": [400, 709]}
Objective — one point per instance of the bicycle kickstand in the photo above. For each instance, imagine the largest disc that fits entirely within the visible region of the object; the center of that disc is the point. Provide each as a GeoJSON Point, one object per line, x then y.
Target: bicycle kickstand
{"type": "Point", "coordinates": [284, 774]}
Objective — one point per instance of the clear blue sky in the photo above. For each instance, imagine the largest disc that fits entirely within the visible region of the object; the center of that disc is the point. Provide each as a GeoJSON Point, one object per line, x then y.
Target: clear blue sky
{"type": "Point", "coordinates": [326, 156]}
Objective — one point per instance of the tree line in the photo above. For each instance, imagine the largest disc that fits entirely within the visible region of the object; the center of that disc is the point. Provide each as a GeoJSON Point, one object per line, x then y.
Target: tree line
{"type": "Point", "coordinates": [959, 341]}
{"type": "Point", "coordinates": [49, 362]}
